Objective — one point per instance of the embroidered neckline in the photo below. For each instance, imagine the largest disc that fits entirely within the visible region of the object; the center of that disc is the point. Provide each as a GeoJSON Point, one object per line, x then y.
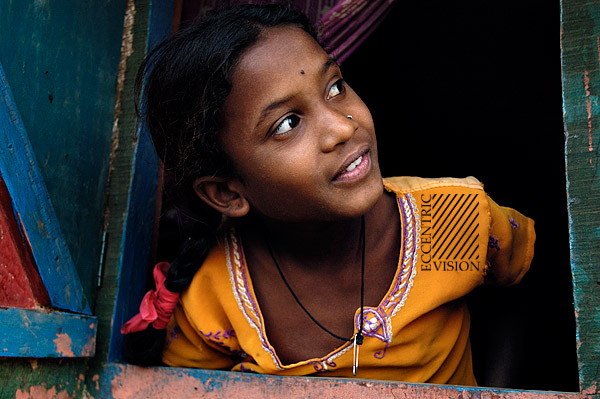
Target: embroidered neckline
{"type": "Point", "coordinates": [377, 321]}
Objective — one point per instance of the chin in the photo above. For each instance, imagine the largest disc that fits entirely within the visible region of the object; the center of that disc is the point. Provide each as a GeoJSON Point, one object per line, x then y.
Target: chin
{"type": "Point", "coordinates": [370, 197]}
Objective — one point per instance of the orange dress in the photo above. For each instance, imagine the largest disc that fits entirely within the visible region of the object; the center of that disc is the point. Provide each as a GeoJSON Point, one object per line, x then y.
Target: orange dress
{"type": "Point", "coordinates": [454, 238]}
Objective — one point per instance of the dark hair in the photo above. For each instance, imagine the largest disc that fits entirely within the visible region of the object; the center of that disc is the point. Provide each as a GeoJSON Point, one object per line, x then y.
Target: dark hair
{"type": "Point", "coordinates": [180, 90]}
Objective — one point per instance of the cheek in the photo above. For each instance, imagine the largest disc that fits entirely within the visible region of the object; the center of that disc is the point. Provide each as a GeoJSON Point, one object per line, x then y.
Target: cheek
{"type": "Point", "coordinates": [269, 175]}
{"type": "Point", "coordinates": [366, 114]}
{"type": "Point", "coordinates": [362, 112]}
{"type": "Point", "coordinates": [284, 185]}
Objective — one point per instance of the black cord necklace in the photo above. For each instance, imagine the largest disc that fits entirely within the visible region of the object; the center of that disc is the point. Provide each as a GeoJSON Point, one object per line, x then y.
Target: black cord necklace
{"type": "Point", "coordinates": [358, 337]}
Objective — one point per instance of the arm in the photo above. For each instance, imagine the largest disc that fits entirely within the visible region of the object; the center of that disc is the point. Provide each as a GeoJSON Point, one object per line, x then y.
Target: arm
{"type": "Point", "coordinates": [510, 248]}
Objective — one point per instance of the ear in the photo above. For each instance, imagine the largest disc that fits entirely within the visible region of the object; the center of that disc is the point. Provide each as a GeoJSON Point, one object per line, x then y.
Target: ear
{"type": "Point", "coordinates": [224, 195]}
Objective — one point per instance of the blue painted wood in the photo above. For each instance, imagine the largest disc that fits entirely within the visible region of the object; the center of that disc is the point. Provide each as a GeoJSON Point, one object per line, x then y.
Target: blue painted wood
{"type": "Point", "coordinates": [40, 333]}
{"type": "Point", "coordinates": [137, 239]}
{"type": "Point", "coordinates": [139, 222]}
{"type": "Point", "coordinates": [25, 184]}
{"type": "Point", "coordinates": [160, 21]}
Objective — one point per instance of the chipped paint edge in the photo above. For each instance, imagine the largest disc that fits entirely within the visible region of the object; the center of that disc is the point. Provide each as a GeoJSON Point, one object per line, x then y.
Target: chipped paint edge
{"type": "Point", "coordinates": [43, 333]}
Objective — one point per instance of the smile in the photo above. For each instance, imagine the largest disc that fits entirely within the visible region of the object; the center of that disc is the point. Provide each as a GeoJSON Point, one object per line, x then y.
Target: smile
{"type": "Point", "coordinates": [354, 164]}
{"type": "Point", "coordinates": [356, 169]}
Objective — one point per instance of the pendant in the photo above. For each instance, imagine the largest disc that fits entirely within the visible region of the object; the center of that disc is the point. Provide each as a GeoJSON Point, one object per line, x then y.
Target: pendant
{"type": "Point", "coordinates": [358, 340]}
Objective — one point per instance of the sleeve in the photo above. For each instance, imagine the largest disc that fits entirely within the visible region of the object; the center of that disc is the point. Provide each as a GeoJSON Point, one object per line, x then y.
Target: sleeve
{"type": "Point", "coordinates": [510, 246]}
{"type": "Point", "coordinates": [187, 347]}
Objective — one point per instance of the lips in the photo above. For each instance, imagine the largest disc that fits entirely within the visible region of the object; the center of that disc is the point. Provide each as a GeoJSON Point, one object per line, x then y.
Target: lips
{"type": "Point", "coordinates": [355, 166]}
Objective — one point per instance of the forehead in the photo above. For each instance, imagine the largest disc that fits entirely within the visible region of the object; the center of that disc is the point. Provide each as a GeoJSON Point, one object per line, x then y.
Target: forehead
{"type": "Point", "coordinates": [280, 47]}
{"type": "Point", "coordinates": [272, 67]}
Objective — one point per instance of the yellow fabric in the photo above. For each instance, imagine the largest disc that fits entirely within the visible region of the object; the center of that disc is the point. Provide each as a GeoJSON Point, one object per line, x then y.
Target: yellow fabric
{"type": "Point", "coordinates": [453, 239]}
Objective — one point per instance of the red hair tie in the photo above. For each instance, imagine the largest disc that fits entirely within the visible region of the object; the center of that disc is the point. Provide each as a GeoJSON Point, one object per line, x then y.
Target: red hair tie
{"type": "Point", "coordinates": [156, 307]}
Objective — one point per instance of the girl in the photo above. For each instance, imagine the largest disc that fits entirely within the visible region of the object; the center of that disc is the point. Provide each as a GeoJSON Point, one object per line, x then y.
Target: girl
{"type": "Point", "coordinates": [308, 261]}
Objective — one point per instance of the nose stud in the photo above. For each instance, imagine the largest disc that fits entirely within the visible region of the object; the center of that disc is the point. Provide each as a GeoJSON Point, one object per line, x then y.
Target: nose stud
{"type": "Point", "coordinates": [349, 116]}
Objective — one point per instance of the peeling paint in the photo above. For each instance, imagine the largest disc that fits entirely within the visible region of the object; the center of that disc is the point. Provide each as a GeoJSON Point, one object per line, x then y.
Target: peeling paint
{"type": "Point", "coordinates": [588, 108]}
{"type": "Point", "coordinates": [96, 379]}
{"type": "Point", "coordinates": [90, 347]}
{"type": "Point", "coordinates": [580, 68]}
{"type": "Point", "coordinates": [593, 390]}
{"type": "Point", "coordinates": [41, 392]}
{"type": "Point", "coordinates": [63, 345]}
{"type": "Point", "coordinates": [80, 379]}
{"type": "Point", "coordinates": [598, 49]}
{"type": "Point", "coordinates": [126, 51]}
{"type": "Point", "coordinates": [131, 382]}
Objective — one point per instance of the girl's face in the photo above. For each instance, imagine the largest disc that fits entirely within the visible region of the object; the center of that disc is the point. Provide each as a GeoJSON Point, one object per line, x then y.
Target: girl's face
{"type": "Point", "coordinates": [298, 155]}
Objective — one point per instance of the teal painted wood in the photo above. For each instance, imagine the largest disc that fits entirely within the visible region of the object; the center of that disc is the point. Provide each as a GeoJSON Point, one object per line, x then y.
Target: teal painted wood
{"type": "Point", "coordinates": [25, 184]}
{"type": "Point", "coordinates": [61, 58]}
{"type": "Point", "coordinates": [581, 93]}
{"type": "Point", "coordinates": [42, 378]}
{"type": "Point", "coordinates": [41, 333]}
{"type": "Point", "coordinates": [139, 222]}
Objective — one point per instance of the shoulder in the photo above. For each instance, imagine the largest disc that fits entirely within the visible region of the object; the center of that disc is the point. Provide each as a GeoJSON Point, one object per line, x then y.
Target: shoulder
{"type": "Point", "coordinates": [407, 184]}
{"type": "Point", "coordinates": [457, 223]}
{"type": "Point", "coordinates": [222, 284]}
{"type": "Point", "coordinates": [450, 218]}
{"type": "Point", "coordinates": [212, 278]}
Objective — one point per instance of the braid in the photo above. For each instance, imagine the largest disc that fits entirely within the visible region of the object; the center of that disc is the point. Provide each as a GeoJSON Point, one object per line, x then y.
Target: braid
{"type": "Point", "coordinates": [144, 348]}
{"type": "Point", "coordinates": [198, 233]}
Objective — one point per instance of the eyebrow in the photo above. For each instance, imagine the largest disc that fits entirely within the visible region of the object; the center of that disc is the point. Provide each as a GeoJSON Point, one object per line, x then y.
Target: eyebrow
{"type": "Point", "coordinates": [276, 104]}
{"type": "Point", "coordinates": [330, 61]}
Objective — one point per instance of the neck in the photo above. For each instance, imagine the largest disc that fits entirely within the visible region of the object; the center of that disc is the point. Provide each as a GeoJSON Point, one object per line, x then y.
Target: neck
{"type": "Point", "coordinates": [321, 245]}
{"type": "Point", "coordinates": [311, 244]}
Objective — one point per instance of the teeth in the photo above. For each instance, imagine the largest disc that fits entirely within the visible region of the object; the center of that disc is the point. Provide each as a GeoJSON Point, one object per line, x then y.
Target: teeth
{"type": "Point", "coordinates": [354, 164]}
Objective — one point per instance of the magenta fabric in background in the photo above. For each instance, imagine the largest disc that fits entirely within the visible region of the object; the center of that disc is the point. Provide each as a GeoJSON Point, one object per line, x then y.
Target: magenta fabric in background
{"type": "Point", "coordinates": [349, 23]}
{"type": "Point", "coordinates": [343, 24]}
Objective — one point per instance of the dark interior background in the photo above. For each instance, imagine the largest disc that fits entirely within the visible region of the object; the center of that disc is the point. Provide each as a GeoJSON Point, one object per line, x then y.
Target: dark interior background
{"type": "Point", "coordinates": [474, 88]}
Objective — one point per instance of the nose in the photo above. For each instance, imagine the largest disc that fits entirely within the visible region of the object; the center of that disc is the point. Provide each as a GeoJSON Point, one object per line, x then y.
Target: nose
{"type": "Point", "coordinates": [338, 127]}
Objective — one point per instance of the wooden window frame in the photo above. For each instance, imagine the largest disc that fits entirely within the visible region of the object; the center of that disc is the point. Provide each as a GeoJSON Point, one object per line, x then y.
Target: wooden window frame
{"type": "Point", "coordinates": [39, 332]}
{"type": "Point", "coordinates": [117, 379]}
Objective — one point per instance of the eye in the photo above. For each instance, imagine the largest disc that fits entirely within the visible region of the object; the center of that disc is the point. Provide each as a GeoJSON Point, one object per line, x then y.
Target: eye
{"type": "Point", "coordinates": [337, 89]}
{"type": "Point", "coordinates": [286, 125]}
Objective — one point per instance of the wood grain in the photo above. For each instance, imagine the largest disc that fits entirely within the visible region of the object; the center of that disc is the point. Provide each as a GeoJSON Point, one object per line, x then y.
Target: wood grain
{"type": "Point", "coordinates": [580, 39]}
